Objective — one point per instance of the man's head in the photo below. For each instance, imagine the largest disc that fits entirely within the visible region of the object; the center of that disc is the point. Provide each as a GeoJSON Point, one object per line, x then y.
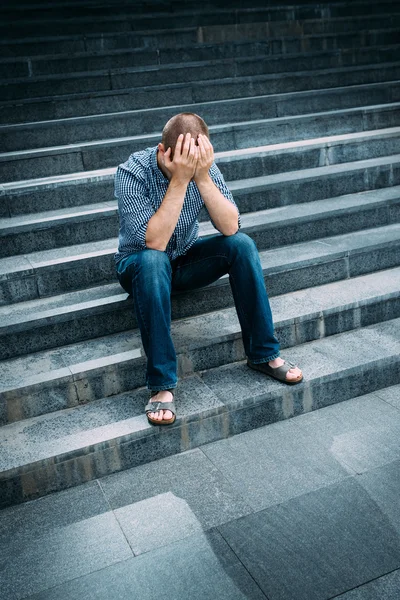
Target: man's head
{"type": "Point", "coordinates": [182, 123]}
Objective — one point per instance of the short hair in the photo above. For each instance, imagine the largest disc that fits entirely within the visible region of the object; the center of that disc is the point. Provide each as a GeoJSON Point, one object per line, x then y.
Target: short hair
{"type": "Point", "coordinates": [182, 123]}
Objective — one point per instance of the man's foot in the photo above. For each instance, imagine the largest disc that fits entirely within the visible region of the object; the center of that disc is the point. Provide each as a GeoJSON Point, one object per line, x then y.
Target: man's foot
{"type": "Point", "coordinates": [292, 375]}
{"type": "Point", "coordinates": [162, 415]}
{"type": "Point", "coordinates": [279, 369]}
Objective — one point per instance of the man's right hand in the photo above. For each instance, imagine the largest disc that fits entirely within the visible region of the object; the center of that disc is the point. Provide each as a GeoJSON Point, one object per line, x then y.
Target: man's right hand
{"type": "Point", "coordinates": [183, 165]}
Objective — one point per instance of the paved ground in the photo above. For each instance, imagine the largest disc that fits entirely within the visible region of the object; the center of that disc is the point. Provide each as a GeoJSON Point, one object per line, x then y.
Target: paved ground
{"type": "Point", "coordinates": [305, 509]}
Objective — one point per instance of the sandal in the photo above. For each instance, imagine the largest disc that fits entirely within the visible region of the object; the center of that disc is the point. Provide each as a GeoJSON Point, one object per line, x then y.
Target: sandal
{"type": "Point", "coordinates": [278, 373]}
{"type": "Point", "coordinates": [156, 406]}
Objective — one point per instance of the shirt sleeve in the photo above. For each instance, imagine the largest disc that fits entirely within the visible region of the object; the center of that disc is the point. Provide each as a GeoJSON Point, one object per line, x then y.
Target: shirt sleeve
{"type": "Point", "coordinates": [134, 206]}
{"type": "Point", "coordinates": [219, 181]}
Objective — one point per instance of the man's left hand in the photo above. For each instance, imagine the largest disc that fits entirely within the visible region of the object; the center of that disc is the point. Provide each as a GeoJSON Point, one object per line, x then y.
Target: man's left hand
{"type": "Point", "coordinates": [205, 158]}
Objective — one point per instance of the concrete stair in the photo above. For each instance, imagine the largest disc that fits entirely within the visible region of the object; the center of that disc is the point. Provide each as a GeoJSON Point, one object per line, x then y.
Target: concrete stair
{"type": "Point", "coordinates": [303, 107]}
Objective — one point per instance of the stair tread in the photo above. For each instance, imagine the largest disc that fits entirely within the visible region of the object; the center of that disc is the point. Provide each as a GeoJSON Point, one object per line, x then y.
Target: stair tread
{"type": "Point", "coordinates": [136, 112]}
{"type": "Point", "coordinates": [290, 145]}
{"type": "Point", "coordinates": [250, 221]}
{"type": "Point", "coordinates": [141, 49]}
{"type": "Point", "coordinates": [34, 312]}
{"type": "Point", "coordinates": [200, 83]}
{"type": "Point", "coordinates": [103, 423]}
{"type": "Point", "coordinates": [182, 12]}
{"type": "Point", "coordinates": [193, 332]}
{"type": "Point", "coordinates": [107, 175]}
{"type": "Point", "coordinates": [189, 64]}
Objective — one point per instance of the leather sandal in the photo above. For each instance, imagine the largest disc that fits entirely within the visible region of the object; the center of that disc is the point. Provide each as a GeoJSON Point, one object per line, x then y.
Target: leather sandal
{"type": "Point", "coordinates": [278, 373]}
{"type": "Point", "coordinates": [156, 406]}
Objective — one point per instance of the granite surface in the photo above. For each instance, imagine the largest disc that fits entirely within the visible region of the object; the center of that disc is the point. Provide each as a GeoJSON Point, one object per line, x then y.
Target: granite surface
{"type": "Point", "coordinates": [190, 522]}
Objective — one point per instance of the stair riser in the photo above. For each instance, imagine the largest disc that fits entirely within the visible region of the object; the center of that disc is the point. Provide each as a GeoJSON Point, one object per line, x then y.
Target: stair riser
{"type": "Point", "coordinates": [214, 34]}
{"type": "Point", "coordinates": [168, 41]}
{"type": "Point", "coordinates": [103, 458]}
{"type": "Point", "coordinates": [48, 281]}
{"type": "Point", "coordinates": [141, 10]}
{"type": "Point", "coordinates": [120, 316]}
{"type": "Point", "coordinates": [40, 135]}
{"type": "Point", "coordinates": [239, 137]}
{"type": "Point", "coordinates": [143, 23]}
{"type": "Point", "coordinates": [56, 196]}
{"type": "Point", "coordinates": [103, 81]}
{"type": "Point", "coordinates": [257, 108]}
{"type": "Point", "coordinates": [25, 286]}
{"type": "Point", "coordinates": [33, 67]}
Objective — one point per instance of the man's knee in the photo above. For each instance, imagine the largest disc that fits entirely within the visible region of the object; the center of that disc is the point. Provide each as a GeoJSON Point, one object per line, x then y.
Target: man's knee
{"type": "Point", "coordinates": [242, 242]}
{"type": "Point", "coordinates": [150, 267]}
{"type": "Point", "coordinates": [152, 259]}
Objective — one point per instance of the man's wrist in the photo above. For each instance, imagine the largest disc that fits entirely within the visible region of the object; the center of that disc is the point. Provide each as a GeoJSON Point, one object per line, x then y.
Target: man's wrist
{"type": "Point", "coordinates": [202, 179]}
{"type": "Point", "coordinates": [177, 181]}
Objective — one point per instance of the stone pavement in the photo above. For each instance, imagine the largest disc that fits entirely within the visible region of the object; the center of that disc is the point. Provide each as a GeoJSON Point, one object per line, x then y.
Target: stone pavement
{"type": "Point", "coordinates": [302, 509]}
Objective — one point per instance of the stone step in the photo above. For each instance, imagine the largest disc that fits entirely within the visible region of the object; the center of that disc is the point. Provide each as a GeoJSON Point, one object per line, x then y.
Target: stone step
{"type": "Point", "coordinates": [46, 12]}
{"type": "Point", "coordinates": [55, 230]}
{"type": "Point", "coordinates": [48, 453]}
{"type": "Point", "coordinates": [18, 232]}
{"type": "Point", "coordinates": [190, 18]}
{"type": "Point", "coordinates": [353, 125]}
{"type": "Point", "coordinates": [73, 374]}
{"type": "Point", "coordinates": [226, 68]}
{"type": "Point", "coordinates": [263, 29]}
{"type": "Point", "coordinates": [32, 66]}
{"type": "Point", "coordinates": [152, 4]}
{"type": "Point", "coordinates": [62, 64]}
{"type": "Point", "coordinates": [167, 43]}
{"type": "Point", "coordinates": [35, 325]}
{"type": "Point", "coordinates": [220, 115]}
{"type": "Point", "coordinates": [95, 102]}
{"type": "Point", "coordinates": [268, 191]}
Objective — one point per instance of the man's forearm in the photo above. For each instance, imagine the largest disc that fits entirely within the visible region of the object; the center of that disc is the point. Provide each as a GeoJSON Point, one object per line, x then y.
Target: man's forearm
{"type": "Point", "coordinates": [223, 213]}
{"type": "Point", "coordinates": [162, 224]}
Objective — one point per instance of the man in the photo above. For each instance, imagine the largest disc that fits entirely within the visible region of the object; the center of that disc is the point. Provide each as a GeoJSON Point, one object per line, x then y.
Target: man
{"type": "Point", "coordinates": [160, 192]}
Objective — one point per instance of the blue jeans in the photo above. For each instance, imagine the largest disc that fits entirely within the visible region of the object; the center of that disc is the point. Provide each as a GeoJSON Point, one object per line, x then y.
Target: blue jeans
{"type": "Point", "coordinates": [150, 276]}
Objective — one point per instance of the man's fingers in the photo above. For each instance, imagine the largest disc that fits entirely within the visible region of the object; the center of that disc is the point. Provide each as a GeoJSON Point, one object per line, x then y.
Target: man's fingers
{"type": "Point", "coordinates": [167, 154]}
{"type": "Point", "coordinates": [207, 144]}
{"type": "Point", "coordinates": [178, 147]}
{"type": "Point", "coordinates": [192, 150]}
{"type": "Point", "coordinates": [186, 145]}
{"type": "Point", "coordinates": [202, 150]}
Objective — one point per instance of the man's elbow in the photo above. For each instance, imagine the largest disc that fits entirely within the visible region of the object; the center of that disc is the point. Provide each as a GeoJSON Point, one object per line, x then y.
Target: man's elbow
{"type": "Point", "coordinates": [153, 245]}
{"type": "Point", "coordinates": [234, 228]}
{"type": "Point", "coordinates": [229, 232]}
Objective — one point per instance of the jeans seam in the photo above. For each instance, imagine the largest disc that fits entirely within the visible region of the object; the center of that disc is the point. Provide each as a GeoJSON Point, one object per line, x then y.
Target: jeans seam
{"type": "Point", "coordinates": [161, 389]}
{"type": "Point", "coordinates": [263, 360]}
{"type": "Point", "coordinates": [239, 303]}
{"type": "Point", "coordinates": [137, 303]}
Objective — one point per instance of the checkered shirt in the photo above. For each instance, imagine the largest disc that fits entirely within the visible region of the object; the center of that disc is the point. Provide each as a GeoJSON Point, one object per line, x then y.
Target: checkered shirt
{"type": "Point", "coordinates": [140, 187]}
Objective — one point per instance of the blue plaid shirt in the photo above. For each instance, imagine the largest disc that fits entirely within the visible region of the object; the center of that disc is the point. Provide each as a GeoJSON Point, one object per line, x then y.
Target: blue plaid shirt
{"type": "Point", "coordinates": [140, 187]}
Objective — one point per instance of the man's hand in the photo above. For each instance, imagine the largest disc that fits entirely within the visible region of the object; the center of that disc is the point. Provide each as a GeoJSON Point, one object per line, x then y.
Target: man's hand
{"type": "Point", "coordinates": [205, 158]}
{"type": "Point", "coordinates": [183, 165]}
